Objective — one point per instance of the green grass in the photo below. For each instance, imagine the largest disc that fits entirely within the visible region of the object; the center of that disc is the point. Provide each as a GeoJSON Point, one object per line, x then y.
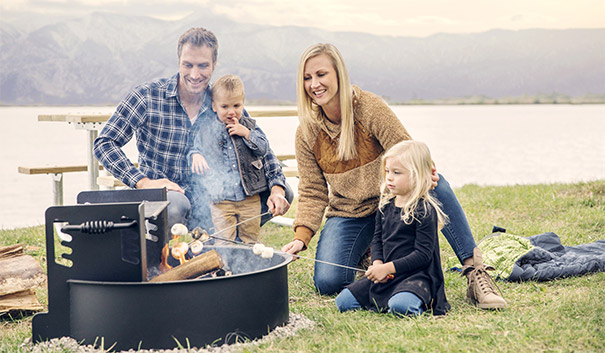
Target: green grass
{"type": "Point", "coordinates": [557, 316]}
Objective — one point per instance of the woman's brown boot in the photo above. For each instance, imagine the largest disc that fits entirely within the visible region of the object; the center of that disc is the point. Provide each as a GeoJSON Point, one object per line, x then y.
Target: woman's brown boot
{"type": "Point", "coordinates": [481, 290]}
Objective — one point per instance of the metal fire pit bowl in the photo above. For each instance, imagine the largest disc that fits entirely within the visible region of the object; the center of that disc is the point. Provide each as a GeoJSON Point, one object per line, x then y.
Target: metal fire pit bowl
{"type": "Point", "coordinates": [103, 297]}
{"type": "Point", "coordinates": [246, 305]}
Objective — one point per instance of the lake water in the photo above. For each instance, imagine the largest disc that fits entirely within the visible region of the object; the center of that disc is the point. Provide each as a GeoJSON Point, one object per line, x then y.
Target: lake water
{"type": "Point", "coordinates": [485, 145]}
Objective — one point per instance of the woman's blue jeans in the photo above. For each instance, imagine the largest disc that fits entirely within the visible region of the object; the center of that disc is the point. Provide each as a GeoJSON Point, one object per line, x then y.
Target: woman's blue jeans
{"type": "Point", "coordinates": [345, 240]}
{"type": "Point", "coordinates": [402, 303]}
{"type": "Point", "coordinates": [457, 232]}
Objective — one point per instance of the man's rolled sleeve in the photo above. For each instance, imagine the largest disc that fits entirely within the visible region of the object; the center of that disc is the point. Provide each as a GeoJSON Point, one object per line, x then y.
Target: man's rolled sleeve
{"type": "Point", "coordinates": [273, 170]}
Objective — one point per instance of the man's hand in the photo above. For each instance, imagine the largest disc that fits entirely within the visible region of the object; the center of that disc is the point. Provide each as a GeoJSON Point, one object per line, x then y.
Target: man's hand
{"type": "Point", "coordinates": [198, 164]}
{"type": "Point", "coordinates": [147, 183]}
{"type": "Point", "coordinates": [239, 130]}
{"type": "Point", "coordinates": [276, 202]}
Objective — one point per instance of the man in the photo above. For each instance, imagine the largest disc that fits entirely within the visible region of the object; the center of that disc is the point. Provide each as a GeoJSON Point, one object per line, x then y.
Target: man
{"type": "Point", "coordinates": [165, 115]}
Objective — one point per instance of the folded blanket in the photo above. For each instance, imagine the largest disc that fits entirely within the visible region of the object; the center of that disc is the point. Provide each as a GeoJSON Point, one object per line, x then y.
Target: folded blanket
{"type": "Point", "coordinates": [501, 251]}
{"type": "Point", "coordinates": [540, 257]}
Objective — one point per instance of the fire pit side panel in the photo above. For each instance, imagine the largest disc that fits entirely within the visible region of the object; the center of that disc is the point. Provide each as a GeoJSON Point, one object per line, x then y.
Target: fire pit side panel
{"type": "Point", "coordinates": [201, 312]}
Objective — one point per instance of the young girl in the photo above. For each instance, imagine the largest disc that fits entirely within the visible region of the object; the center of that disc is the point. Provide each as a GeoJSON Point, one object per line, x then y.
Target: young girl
{"type": "Point", "coordinates": [405, 276]}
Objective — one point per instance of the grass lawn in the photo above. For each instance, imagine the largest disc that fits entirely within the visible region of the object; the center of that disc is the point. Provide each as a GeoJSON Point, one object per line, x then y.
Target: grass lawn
{"type": "Point", "coordinates": [557, 316]}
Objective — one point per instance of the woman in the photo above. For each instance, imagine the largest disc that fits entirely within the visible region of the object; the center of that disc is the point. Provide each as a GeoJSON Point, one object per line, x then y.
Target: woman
{"type": "Point", "coordinates": [343, 132]}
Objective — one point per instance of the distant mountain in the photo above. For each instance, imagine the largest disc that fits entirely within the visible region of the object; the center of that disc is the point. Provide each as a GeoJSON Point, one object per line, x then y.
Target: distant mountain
{"type": "Point", "coordinates": [96, 59]}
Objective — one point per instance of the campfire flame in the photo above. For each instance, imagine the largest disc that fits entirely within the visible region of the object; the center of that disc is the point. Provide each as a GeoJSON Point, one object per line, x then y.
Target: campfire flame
{"type": "Point", "coordinates": [178, 251]}
{"type": "Point", "coordinates": [164, 266]}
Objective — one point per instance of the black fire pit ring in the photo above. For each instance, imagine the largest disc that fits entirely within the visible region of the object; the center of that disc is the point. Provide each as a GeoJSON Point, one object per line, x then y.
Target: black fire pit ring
{"type": "Point", "coordinates": [196, 313]}
{"type": "Point", "coordinates": [102, 295]}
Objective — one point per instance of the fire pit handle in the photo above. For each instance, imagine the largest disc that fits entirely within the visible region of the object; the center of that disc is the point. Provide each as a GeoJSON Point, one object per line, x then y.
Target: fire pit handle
{"type": "Point", "coordinates": [97, 227]}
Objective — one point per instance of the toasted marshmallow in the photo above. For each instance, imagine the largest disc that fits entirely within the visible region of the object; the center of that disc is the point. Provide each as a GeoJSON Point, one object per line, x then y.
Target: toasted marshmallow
{"type": "Point", "coordinates": [196, 247]}
{"type": "Point", "coordinates": [179, 229]}
{"type": "Point", "coordinates": [258, 248]}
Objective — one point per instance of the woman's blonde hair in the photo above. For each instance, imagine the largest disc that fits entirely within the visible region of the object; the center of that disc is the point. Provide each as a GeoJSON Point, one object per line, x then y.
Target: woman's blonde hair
{"type": "Point", "coordinates": [309, 113]}
{"type": "Point", "coordinates": [416, 158]}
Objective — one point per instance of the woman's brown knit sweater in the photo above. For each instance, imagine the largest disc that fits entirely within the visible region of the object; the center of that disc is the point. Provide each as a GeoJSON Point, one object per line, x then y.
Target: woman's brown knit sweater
{"type": "Point", "coordinates": [354, 184]}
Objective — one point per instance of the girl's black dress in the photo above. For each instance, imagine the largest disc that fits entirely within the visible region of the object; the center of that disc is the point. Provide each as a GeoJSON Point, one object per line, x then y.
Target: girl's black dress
{"type": "Point", "coordinates": [414, 250]}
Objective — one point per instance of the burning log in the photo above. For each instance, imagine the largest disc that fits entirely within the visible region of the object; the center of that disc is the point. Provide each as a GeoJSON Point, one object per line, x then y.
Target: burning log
{"type": "Point", "coordinates": [193, 268]}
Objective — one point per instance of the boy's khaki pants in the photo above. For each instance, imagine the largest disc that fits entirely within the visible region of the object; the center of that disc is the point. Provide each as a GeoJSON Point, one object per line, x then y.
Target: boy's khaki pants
{"type": "Point", "coordinates": [228, 213]}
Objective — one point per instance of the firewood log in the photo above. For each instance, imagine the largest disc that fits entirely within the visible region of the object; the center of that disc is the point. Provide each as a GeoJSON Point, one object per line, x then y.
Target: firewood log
{"type": "Point", "coordinates": [20, 301]}
{"type": "Point", "coordinates": [19, 273]}
{"type": "Point", "coordinates": [11, 251]}
{"type": "Point", "coordinates": [193, 268]}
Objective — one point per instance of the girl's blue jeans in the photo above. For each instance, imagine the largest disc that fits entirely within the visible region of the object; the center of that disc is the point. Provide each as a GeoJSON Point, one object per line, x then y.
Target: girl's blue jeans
{"type": "Point", "coordinates": [402, 303]}
{"type": "Point", "coordinates": [345, 240]}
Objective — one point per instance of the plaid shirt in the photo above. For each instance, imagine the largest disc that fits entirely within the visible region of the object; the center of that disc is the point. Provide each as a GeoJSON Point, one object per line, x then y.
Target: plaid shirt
{"type": "Point", "coordinates": [163, 132]}
{"type": "Point", "coordinates": [164, 135]}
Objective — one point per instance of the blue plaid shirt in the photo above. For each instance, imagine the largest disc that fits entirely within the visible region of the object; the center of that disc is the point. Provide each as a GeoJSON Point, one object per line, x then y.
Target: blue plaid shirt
{"type": "Point", "coordinates": [163, 132]}
{"type": "Point", "coordinates": [164, 135]}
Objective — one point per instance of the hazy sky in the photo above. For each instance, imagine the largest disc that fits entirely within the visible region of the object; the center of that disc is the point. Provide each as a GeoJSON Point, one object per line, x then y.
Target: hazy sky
{"type": "Point", "coordinates": [395, 17]}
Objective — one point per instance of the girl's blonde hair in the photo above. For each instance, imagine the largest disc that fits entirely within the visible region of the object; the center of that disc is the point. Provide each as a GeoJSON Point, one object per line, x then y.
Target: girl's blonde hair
{"type": "Point", "coordinates": [416, 158]}
{"type": "Point", "coordinates": [309, 113]}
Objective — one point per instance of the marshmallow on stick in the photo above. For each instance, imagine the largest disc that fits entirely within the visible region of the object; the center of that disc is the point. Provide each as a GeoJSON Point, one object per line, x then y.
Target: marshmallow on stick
{"type": "Point", "coordinates": [258, 248]}
{"type": "Point", "coordinates": [267, 253]}
{"type": "Point", "coordinates": [179, 229]}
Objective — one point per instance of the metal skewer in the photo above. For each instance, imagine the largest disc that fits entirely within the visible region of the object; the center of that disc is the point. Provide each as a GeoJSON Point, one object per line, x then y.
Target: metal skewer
{"type": "Point", "coordinates": [297, 256]}
{"type": "Point", "coordinates": [278, 251]}
{"type": "Point", "coordinates": [213, 235]}
{"type": "Point", "coordinates": [330, 263]}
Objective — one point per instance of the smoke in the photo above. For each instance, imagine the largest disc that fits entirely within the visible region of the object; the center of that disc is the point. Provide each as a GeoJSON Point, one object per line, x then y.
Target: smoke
{"type": "Point", "coordinates": [211, 185]}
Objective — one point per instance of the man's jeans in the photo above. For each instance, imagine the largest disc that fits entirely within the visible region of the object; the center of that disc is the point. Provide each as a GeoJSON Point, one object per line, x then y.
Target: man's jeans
{"type": "Point", "coordinates": [345, 240]}
{"type": "Point", "coordinates": [179, 208]}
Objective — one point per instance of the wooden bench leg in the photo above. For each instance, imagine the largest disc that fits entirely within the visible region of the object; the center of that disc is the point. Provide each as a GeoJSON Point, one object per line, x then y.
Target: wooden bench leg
{"type": "Point", "coordinates": [57, 188]}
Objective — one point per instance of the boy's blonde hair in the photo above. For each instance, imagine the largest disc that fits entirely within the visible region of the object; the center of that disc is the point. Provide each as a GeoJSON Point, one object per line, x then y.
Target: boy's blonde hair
{"type": "Point", "coordinates": [416, 158]}
{"type": "Point", "coordinates": [230, 84]}
{"type": "Point", "coordinates": [310, 113]}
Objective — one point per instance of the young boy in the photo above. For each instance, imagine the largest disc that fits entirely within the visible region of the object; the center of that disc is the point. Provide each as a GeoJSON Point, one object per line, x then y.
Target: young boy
{"type": "Point", "coordinates": [230, 159]}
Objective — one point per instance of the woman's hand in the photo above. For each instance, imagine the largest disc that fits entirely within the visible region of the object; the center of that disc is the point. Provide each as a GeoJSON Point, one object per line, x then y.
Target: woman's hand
{"type": "Point", "coordinates": [434, 177]}
{"type": "Point", "coordinates": [379, 272]}
{"type": "Point", "coordinates": [293, 247]}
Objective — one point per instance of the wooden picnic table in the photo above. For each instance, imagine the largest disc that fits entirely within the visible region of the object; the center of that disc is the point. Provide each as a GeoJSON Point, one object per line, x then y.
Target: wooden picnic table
{"type": "Point", "coordinates": [93, 123]}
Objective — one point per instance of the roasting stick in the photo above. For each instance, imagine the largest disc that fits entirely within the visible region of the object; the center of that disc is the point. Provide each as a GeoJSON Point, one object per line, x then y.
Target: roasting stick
{"type": "Point", "coordinates": [330, 263]}
{"type": "Point", "coordinates": [213, 235]}
{"type": "Point", "coordinates": [298, 256]}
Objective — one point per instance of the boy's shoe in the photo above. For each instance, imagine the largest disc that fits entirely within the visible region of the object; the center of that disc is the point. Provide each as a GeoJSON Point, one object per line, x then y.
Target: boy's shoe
{"type": "Point", "coordinates": [481, 290]}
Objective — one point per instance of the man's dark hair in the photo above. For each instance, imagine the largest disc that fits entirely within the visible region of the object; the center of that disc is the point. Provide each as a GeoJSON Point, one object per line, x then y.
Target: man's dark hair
{"type": "Point", "coordinates": [198, 37]}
